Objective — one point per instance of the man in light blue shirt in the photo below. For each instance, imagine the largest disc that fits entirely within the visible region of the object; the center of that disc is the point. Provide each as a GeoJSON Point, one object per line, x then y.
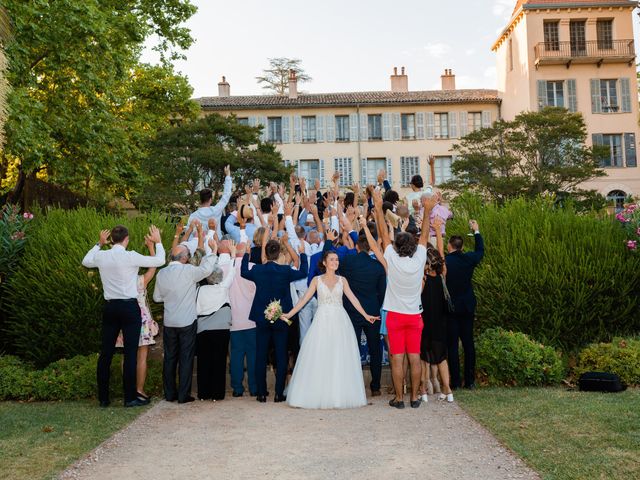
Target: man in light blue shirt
{"type": "Point", "coordinates": [206, 211]}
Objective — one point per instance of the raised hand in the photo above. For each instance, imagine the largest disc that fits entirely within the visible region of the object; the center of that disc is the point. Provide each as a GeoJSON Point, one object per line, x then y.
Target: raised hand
{"type": "Point", "coordinates": [256, 185]}
{"type": "Point", "coordinates": [473, 225]}
{"type": "Point", "coordinates": [288, 209]}
{"type": "Point", "coordinates": [232, 248]}
{"type": "Point", "coordinates": [377, 198]}
{"type": "Point", "coordinates": [211, 223]}
{"type": "Point", "coordinates": [301, 247]}
{"type": "Point", "coordinates": [429, 202]}
{"type": "Point", "coordinates": [316, 184]}
{"type": "Point", "coordinates": [382, 175]}
{"type": "Point", "coordinates": [213, 245]}
{"type": "Point", "coordinates": [227, 170]}
{"type": "Point", "coordinates": [104, 237]}
{"type": "Point", "coordinates": [405, 224]}
{"type": "Point", "coordinates": [154, 234]}
{"type": "Point", "coordinates": [284, 238]}
{"type": "Point", "coordinates": [415, 203]}
{"type": "Point", "coordinates": [303, 184]}
{"type": "Point", "coordinates": [362, 221]}
{"type": "Point", "coordinates": [332, 235]}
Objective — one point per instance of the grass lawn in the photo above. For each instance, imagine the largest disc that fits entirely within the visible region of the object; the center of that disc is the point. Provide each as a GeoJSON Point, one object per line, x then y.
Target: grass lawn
{"type": "Point", "coordinates": [563, 434]}
{"type": "Point", "coordinates": [38, 440]}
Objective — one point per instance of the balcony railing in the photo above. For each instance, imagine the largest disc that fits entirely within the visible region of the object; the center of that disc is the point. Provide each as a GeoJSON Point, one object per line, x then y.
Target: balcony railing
{"type": "Point", "coordinates": [592, 51]}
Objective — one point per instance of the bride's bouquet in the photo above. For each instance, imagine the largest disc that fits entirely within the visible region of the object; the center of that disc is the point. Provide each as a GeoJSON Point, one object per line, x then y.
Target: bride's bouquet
{"type": "Point", "coordinates": [274, 312]}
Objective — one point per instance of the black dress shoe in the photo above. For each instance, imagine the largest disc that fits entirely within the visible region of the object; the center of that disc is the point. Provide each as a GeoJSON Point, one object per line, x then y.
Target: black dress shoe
{"type": "Point", "coordinates": [189, 399]}
{"type": "Point", "coordinates": [136, 403]}
{"type": "Point", "coordinates": [416, 403]}
{"type": "Point", "coordinates": [261, 398]}
{"type": "Point", "coordinates": [280, 398]}
{"type": "Point", "coordinates": [237, 394]}
{"type": "Point", "coordinates": [104, 403]}
{"type": "Point", "coordinates": [396, 404]}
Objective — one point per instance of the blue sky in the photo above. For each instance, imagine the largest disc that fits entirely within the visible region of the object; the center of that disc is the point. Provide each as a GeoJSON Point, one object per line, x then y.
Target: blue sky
{"type": "Point", "coordinates": [345, 45]}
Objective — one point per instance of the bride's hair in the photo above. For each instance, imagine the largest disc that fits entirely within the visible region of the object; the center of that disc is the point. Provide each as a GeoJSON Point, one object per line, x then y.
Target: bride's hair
{"type": "Point", "coordinates": [321, 266]}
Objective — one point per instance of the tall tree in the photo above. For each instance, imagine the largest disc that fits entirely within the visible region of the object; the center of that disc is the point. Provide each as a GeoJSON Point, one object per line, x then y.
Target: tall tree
{"type": "Point", "coordinates": [192, 155]}
{"type": "Point", "coordinates": [75, 110]}
{"type": "Point", "coordinates": [275, 79]}
{"type": "Point", "coordinates": [536, 153]}
{"type": "Point", "coordinates": [4, 36]}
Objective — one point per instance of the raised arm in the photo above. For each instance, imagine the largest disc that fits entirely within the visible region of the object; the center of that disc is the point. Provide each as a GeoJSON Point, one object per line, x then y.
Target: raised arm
{"type": "Point", "coordinates": [176, 237]}
{"type": "Point", "coordinates": [158, 259]}
{"type": "Point", "coordinates": [303, 301]}
{"type": "Point", "coordinates": [245, 272]}
{"type": "Point", "coordinates": [432, 170]}
{"type": "Point", "coordinates": [226, 193]}
{"type": "Point", "coordinates": [383, 232]}
{"type": "Point", "coordinates": [427, 203]}
{"type": "Point", "coordinates": [89, 259]}
{"type": "Point", "coordinates": [356, 303]}
{"type": "Point", "coordinates": [373, 245]}
{"type": "Point", "coordinates": [151, 271]}
{"type": "Point", "coordinates": [478, 252]}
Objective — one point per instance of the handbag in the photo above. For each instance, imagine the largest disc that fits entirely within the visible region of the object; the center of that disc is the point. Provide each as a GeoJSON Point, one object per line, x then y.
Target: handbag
{"type": "Point", "coordinates": [447, 296]}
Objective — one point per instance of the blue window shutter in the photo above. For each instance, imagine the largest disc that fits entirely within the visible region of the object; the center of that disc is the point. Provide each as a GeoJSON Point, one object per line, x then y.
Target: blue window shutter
{"type": "Point", "coordinates": [486, 119]}
{"type": "Point", "coordinates": [542, 94]}
{"type": "Point", "coordinates": [286, 129]}
{"type": "Point", "coordinates": [596, 100]}
{"type": "Point", "coordinates": [389, 171]}
{"type": "Point", "coordinates": [364, 127]}
{"type": "Point", "coordinates": [420, 126]}
{"type": "Point", "coordinates": [386, 126]}
{"type": "Point", "coordinates": [464, 118]}
{"type": "Point", "coordinates": [265, 128]}
{"type": "Point", "coordinates": [453, 125]}
{"type": "Point", "coordinates": [331, 128]}
{"type": "Point", "coordinates": [396, 126]}
{"type": "Point", "coordinates": [320, 128]}
{"type": "Point", "coordinates": [297, 129]}
{"type": "Point", "coordinates": [296, 166]}
{"type": "Point", "coordinates": [430, 125]}
{"type": "Point", "coordinates": [572, 98]}
{"type": "Point", "coordinates": [321, 168]}
{"type": "Point", "coordinates": [625, 91]}
{"type": "Point", "coordinates": [630, 149]}
{"type": "Point", "coordinates": [353, 127]}
{"type": "Point", "coordinates": [363, 171]}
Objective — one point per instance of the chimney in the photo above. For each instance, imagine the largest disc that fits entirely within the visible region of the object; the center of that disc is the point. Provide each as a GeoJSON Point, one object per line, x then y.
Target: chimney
{"type": "Point", "coordinates": [293, 84]}
{"type": "Point", "coordinates": [224, 89]}
{"type": "Point", "coordinates": [399, 83]}
{"type": "Point", "coordinates": [448, 80]}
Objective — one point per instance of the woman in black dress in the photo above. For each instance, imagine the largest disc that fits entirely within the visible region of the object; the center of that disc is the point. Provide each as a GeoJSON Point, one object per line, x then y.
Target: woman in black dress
{"type": "Point", "coordinates": [433, 346]}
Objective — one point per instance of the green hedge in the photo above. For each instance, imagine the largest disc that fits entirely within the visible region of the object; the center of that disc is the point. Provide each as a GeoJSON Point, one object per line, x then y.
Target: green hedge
{"type": "Point", "coordinates": [567, 279]}
{"type": "Point", "coordinates": [70, 379]}
{"type": "Point", "coordinates": [513, 359]}
{"type": "Point", "coordinates": [54, 304]}
{"type": "Point", "coordinates": [621, 356]}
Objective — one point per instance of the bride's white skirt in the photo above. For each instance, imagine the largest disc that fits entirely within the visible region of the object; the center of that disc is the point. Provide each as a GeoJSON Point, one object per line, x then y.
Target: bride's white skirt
{"type": "Point", "coordinates": [328, 373]}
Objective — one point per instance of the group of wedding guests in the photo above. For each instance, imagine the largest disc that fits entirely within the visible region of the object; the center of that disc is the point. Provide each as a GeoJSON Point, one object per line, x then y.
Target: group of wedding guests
{"type": "Point", "coordinates": [340, 264]}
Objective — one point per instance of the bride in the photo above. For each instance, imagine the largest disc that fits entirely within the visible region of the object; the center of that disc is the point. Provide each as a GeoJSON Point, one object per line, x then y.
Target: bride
{"type": "Point", "coordinates": [328, 373]}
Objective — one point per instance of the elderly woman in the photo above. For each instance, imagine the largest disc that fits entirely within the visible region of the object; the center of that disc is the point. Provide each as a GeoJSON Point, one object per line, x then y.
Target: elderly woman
{"type": "Point", "coordinates": [214, 321]}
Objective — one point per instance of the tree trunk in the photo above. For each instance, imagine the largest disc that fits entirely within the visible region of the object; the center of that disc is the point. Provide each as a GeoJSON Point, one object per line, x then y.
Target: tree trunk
{"type": "Point", "coordinates": [15, 195]}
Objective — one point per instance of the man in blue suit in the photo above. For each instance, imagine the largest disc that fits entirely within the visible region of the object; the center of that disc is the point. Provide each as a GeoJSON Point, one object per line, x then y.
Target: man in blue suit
{"type": "Point", "coordinates": [460, 268]}
{"type": "Point", "coordinates": [272, 283]}
{"type": "Point", "coordinates": [368, 281]}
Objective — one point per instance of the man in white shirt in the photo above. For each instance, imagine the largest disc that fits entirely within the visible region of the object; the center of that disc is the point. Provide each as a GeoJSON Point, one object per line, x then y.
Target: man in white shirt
{"type": "Point", "coordinates": [176, 286]}
{"type": "Point", "coordinates": [206, 211]}
{"type": "Point", "coordinates": [118, 269]}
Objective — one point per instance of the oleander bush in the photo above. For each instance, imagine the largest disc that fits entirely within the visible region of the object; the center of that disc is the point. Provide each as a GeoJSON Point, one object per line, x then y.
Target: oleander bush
{"type": "Point", "coordinates": [563, 277]}
{"type": "Point", "coordinates": [621, 356]}
{"type": "Point", "coordinates": [53, 303]}
{"type": "Point", "coordinates": [67, 379]}
{"type": "Point", "coordinates": [506, 358]}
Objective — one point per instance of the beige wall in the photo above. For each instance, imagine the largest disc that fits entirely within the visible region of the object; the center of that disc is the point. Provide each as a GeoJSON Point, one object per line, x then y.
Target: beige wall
{"type": "Point", "coordinates": [357, 150]}
{"type": "Point", "coordinates": [513, 85]}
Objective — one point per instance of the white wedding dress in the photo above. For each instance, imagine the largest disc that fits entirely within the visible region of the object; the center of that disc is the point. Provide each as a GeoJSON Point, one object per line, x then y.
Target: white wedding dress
{"type": "Point", "coordinates": [328, 373]}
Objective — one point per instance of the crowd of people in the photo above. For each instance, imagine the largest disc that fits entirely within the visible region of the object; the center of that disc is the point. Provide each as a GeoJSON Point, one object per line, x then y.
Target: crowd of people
{"type": "Point", "coordinates": [341, 263]}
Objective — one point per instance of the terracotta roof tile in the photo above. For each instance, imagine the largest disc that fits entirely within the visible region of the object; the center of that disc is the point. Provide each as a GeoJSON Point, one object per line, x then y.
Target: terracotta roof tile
{"type": "Point", "coordinates": [574, 3]}
{"type": "Point", "coordinates": [349, 99]}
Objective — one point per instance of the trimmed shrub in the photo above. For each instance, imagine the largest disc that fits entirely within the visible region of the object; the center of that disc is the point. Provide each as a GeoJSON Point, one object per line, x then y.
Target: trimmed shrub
{"type": "Point", "coordinates": [621, 356]}
{"type": "Point", "coordinates": [54, 304]}
{"type": "Point", "coordinates": [70, 379]}
{"type": "Point", "coordinates": [513, 359]}
{"type": "Point", "coordinates": [564, 278]}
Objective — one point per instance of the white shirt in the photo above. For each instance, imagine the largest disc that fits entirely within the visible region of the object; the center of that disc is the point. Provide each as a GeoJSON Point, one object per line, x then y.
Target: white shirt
{"type": "Point", "coordinates": [119, 269]}
{"type": "Point", "coordinates": [404, 281]}
{"type": "Point", "coordinates": [205, 213]}
{"type": "Point", "coordinates": [411, 196]}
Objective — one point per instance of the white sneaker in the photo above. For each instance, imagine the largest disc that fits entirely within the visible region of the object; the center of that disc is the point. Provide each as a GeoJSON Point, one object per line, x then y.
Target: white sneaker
{"type": "Point", "coordinates": [441, 397]}
{"type": "Point", "coordinates": [424, 398]}
{"type": "Point", "coordinates": [450, 398]}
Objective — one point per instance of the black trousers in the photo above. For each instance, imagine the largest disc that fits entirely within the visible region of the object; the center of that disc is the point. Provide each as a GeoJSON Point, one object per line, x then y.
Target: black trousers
{"type": "Point", "coordinates": [212, 347]}
{"type": "Point", "coordinates": [119, 315]}
{"type": "Point", "coordinates": [265, 332]}
{"type": "Point", "coordinates": [372, 332]}
{"type": "Point", "coordinates": [460, 328]}
{"type": "Point", "coordinates": [179, 350]}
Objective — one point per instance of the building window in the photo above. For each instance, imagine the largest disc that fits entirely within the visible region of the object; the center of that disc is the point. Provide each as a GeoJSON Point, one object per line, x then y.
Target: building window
{"type": "Point", "coordinates": [409, 166]}
{"type": "Point", "coordinates": [308, 129]}
{"type": "Point", "coordinates": [441, 125]}
{"type": "Point", "coordinates": [474, 121]}
{"type": "Point", "coordinates": [552, 36]}
{"type": "Point", "coordinates": [309, 169]}
{"type": "Point", "coordinates": [408, 121]}
{"type": "Point", "coordinates": [274, 129]}
{"type": "Point", "coordinates": [609, 95]}
{"type": "Point", "coordinates": [443, 169]}
{"type": "Point", "coordinates": [555, 94]}
{"type": "Point", "coordinates": [578, 38]}
{"type": "Point", "coordinates": [344, 166]}
{"type": "Point", "coordinates": [243, 121]}
{"type": "Point", "coordinates": [342, 128]}
{"type": "Point", "coordinates": [375, 127]}
{"type": "Point", "coordinates": [605, 34]}
{"type": "Point", "coordinates": [614, 142]}
{"type": "Point", "coordinates": [510, 53]}
{"type": "Point", "coordinates": [374, 165]}
{"type": "Point", "coordinates": [617, 198]}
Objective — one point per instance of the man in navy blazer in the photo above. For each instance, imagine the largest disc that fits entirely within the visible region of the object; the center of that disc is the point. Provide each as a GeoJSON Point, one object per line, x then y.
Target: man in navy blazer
{"type": "Point", "coordinates": [272, 283]}
{"type": "Point", "coordinates": [368, 281]}
{"type": "Point", "coordinates": [460, 268]}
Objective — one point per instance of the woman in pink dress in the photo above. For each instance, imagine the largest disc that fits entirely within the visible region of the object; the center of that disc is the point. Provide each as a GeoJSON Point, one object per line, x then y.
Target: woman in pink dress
{"type": "Point", "coordinates": [149, 328]}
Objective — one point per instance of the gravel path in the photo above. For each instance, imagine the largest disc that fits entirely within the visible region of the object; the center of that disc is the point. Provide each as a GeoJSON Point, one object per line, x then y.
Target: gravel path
{"type": "Point", "coordinates": [241, 438]}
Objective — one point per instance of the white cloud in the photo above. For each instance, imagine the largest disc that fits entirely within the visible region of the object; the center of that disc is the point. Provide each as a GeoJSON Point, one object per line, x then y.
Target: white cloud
{"type": "Point", "coordinates": [503, 8]}
{"type": "Point", "coordinates": [437, 50]}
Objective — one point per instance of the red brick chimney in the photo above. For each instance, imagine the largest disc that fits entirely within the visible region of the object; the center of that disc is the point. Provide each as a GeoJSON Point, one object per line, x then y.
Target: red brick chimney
{"type": "Point", "coordinates": [293, 84]}
{"type": "Point", "coordinates": [448, 80]}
